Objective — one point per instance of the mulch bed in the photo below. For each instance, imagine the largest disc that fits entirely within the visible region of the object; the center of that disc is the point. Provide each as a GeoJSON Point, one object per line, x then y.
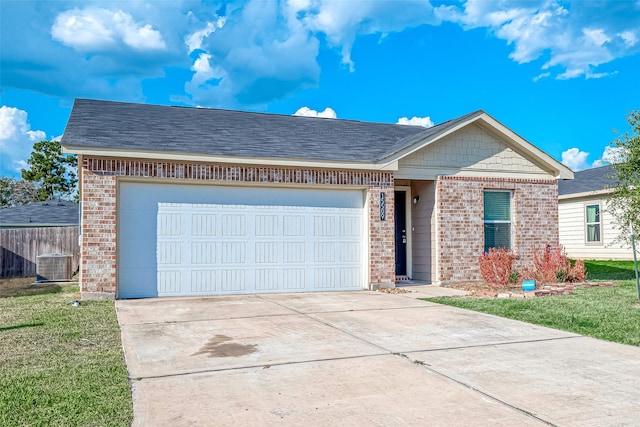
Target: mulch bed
{"type": "Point", "coordinates": [485, 290]}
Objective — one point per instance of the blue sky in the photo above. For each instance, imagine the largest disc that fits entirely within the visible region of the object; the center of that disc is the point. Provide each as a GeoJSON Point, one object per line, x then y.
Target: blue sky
{"type": "Point", "coordinates": [561, 74]}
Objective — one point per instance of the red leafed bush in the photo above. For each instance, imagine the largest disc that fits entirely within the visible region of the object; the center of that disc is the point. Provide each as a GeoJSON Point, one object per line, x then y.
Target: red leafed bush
{"type": "Point", "coordinates": [578, 272]}
{"type": "Point", "coordinates": [550, 264]}
{"type": "Point", "coordinates": [554, 266]}
{"type": "Point", "coordinates": [496, 266]}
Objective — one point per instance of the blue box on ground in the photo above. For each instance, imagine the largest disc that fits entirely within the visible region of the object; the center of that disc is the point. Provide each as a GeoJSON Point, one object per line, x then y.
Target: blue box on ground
{"type": "Point", "coordinates": [528, 285]}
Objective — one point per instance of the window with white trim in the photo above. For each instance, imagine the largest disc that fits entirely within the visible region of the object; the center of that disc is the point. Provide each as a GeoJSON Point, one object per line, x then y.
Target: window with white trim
{"type": "Point", "coordinates": [497, 219]}
{"type": "Point", "coordinates": [593, 224]}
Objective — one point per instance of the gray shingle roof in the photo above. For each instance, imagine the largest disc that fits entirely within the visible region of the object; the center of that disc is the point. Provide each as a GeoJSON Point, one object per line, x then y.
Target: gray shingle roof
{"type": "Point", "coordinates": [587, 180]}
{"type": "Point", "coordinates": [141, 127]}
{"type": "Point", "coordinates": [49, 213]}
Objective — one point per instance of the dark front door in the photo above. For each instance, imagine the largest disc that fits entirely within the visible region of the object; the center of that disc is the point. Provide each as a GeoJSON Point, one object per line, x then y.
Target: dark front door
{"type": "Point", "coordinates": [400, 218]}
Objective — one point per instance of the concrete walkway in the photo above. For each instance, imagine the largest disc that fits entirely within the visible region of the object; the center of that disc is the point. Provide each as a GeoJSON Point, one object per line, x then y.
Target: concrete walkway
{"type": "Point", "coordinates": [365, 358]}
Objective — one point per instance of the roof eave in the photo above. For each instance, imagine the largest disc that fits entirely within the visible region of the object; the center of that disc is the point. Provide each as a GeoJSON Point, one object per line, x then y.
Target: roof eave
{"type": "Point", "coordinates": [594, 193]}
{"type": "Point", "coordinates": [209, 158]}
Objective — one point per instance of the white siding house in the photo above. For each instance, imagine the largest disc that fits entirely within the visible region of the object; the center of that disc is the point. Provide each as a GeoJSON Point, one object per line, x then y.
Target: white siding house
{"type": "Point", "coordinates": [587, 227]}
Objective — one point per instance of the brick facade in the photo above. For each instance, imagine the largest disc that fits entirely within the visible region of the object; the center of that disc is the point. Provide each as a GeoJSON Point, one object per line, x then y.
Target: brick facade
{"type": "Point", "coordinates": [99, 211]}
{"type": "Point", "coordinates": [460, 226]}
{"type": "Point", "coordinates": [460, 217]}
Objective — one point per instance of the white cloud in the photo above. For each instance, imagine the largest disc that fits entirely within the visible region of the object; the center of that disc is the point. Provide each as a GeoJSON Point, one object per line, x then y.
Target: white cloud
{"type": "Point", "coordinates": [328, 113]}
{"type": "Point", "coordinates": [541, 76]}
{"type": "Point", "coordinates": [94, 29]}
{"type": "Point", "coordinates": [194, 40]}
{"type": "Point", "coordinates": [416, 121]}
{"type": "Point", "coordinates": [261, 53]}
{"type": "Point", "coordinates": [575, 159]}
{"type": "Point", "coordinates": [16, 139]}
{"type": "Point", "coordinates": [577, 37]}
{"type": "Point", "coordinates": [630, 38]}
{"type": "Point", "coordinates": [610, 155]}
{"type": "Point", "coordinates": [341, 21]}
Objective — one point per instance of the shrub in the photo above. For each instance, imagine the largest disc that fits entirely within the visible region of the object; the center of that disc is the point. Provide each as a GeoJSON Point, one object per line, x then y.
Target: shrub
{"type": "Point", "coordinates": [496, 266]}
{"type": "Point", "coordinates": [554, 266]}
{"type": "Point", "coordinates": [578, 272]}
{"type": "Point", "coordinates": [514, 276]}
{"type": "Point", "coordinates": [561, 275]}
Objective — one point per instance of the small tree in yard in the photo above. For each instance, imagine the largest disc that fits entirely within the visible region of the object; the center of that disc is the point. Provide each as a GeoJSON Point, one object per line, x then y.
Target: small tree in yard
{"type": "Point", "coordinates": [53, 172]}
{"type": "Point", "coordinates": [624, 202]}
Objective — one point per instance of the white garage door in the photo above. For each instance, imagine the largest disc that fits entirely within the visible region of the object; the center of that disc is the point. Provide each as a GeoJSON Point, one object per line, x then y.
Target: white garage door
{"type": "Point", "coordinates": [176, 240]}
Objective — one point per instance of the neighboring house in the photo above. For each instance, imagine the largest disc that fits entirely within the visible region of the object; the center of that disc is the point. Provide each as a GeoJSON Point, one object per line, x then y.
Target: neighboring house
{"type": "Point", "coordinates": [194, 201]}
{"type": "Point", "coordinates": [51, 213]}
{"type": "Point", "coordinates": [34, 229]}
{"type": "Point", "coordinates": [587, 228]}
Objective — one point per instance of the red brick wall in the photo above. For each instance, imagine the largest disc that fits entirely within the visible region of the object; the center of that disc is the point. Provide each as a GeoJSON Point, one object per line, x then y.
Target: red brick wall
{"type": "Point", "coordinates": [461, 222]}
{"type": "Point", "coordinates": [99, 186]}
{"type": "Point", "coordinates": [382, 253]}
{"type": "Point", "coordinates": [98, 250]}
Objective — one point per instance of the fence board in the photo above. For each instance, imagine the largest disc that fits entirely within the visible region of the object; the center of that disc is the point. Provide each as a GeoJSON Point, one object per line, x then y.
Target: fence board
{"type": "Point", "coordinates": [21, 246]}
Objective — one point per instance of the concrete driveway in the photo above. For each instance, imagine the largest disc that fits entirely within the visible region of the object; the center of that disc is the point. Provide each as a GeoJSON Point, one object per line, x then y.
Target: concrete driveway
{"type": "Point", "coordinates": [365, 358]}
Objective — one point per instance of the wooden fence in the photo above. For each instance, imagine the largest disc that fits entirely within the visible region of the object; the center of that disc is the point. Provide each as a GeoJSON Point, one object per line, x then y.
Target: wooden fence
{"type": "Point", "coordinates": [21, 246]}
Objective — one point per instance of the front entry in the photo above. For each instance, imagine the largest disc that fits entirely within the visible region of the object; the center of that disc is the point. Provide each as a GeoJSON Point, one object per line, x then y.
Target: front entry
{"type": "Point", "coordinates": [400, 218]}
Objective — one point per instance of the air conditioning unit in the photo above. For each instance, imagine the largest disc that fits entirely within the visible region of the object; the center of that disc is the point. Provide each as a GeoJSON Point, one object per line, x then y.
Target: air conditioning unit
{"type": "Point", "coordinates": [54, 268]}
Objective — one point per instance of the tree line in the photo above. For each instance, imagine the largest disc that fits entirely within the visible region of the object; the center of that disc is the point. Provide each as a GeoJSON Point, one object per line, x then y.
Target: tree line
{"type": "Point", "coordinates": [49, 175]}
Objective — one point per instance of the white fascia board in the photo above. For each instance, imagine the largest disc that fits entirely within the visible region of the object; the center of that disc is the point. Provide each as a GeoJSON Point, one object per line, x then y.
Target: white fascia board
{"type": "Point", "coordinates": [189, 157]}
{"type": "Point", "coordinates": [586, 194]}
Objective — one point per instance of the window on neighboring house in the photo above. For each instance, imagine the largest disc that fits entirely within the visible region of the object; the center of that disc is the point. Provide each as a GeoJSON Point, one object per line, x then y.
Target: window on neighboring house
{"type": "Point", "coordinates": [497, 219]}
{"type": "Point", "coordinates": [594, 225]}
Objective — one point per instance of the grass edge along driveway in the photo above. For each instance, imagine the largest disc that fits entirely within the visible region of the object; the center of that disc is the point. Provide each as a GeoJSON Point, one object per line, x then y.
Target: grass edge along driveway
{"type": "Point", "coordinates": [61, 365]}
{"type": "Point", "coordinates": [611, 314]}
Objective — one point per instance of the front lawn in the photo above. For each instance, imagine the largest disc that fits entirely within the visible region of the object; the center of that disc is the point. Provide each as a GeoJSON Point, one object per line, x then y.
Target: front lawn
{"type": "Point", "coordinates": [60, 365]}
{"type": "Point", "coordinates": [608, 313]}
{"type": "Point", "coordinates": [610, 270]}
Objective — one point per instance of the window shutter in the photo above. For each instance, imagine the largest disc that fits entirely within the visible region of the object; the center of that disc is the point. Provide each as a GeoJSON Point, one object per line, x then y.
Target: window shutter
{"type": "Point", "coordinates": [497, 206]}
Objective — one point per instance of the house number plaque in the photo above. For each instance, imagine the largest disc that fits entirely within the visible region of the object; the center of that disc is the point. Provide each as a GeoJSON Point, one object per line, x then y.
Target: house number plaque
{"type": "Point", "coordinates": [383, 208]}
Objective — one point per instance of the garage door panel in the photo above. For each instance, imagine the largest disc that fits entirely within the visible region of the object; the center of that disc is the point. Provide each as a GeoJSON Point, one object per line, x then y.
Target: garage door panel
{"type": "Point", "coordinates": [348, 252]}
{"type": "Point", "coordinates": [267, 279]}
{"type": "Point", "coordinates": [169, 282]}
{"type": "Point", "coordinates": [204, 225]}
{"type": "Point", "coordinates": [232, 280]}
{"type": "Point", "coordinates": [203, 282]}
{"type": "Point", "coordinates": [229, 248]}
{"type": "Point", "coordinates": [293, 279]}
{"type": "Point", "coordinates": [324, 278]}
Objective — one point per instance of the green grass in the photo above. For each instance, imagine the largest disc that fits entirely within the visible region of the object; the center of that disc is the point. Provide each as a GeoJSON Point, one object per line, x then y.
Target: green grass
{"type": "Point", "coordinates": [61, 365]}
{"type": "Point", "coordinates": [609, 270]}
{"type": "Point", "coordinates": [608, 313]}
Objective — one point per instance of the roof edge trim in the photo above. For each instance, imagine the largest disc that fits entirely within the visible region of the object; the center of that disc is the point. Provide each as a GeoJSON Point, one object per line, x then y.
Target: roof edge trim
{"type": "Point", "coordinates": [602, 192]}
{"type": "Point", "coordinates": [195, 157]}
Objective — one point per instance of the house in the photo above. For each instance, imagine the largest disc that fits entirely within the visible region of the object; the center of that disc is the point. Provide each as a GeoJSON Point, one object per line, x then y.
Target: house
{"type": "Point", "coordinates": [587, 227]}
{"type": "Point", "coordinates": [51, 213]}
{"type": "Point", "coordinates": [28, 231]}
{"type": "Point", "coordinates": [194, 201]}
